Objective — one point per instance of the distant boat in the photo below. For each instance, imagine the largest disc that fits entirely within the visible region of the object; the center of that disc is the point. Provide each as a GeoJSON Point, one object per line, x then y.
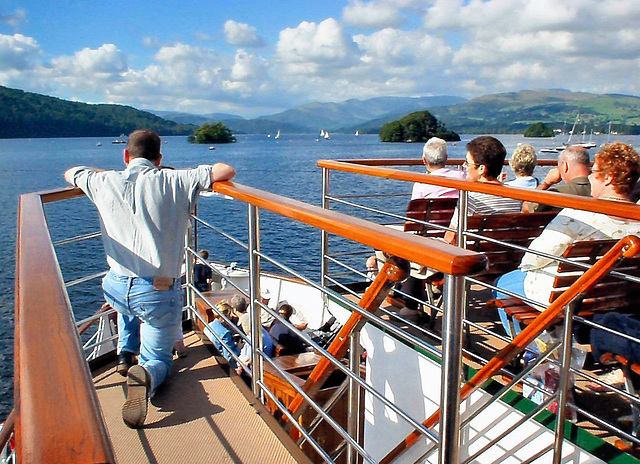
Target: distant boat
{"type": "Point", "coordinates": [573, 131]}
{"type": "Point", "coordinates": [322, 133]}
{"type": "Point", "coordinates": [357, 133]}
{"type": "Point", "coordinates": [277, 135]}
{"type": "Point", "coordinates": [549, 150]}
{"type": "Point", "coordinates": [326, 135]}
{"type": "Point", "coordinates": [120, 140]}
{"type": "Point", "coordinates": [99, 144]}
{"type": "Point", "coordinates": [212, 148]}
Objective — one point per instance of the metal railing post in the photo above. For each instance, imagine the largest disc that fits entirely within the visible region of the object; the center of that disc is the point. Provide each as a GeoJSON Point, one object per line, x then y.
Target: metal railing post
{"type": "Point", "coordinates": [254, 292]}
{"type": "Point", "coordinates": [324, 238]}
{"type": "Point", "coordinates": [563, 387]}
{"type": "Point", "coordinates": [354, 395]}
{"type": "Point", "coordinates": [451, 370]}
{"type": "Point", "coordinates": [191, 239]}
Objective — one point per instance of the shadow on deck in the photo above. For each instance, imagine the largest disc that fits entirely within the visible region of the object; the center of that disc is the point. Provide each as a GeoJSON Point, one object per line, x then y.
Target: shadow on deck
{"type": "Point", "coordinates": [199, 416]}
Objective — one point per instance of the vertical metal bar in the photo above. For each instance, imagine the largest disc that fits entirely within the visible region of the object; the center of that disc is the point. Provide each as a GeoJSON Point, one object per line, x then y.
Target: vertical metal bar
{"type": "Point", "coordinates": [451, 370]}
{"type": "Point", "coordinates": [254, 292]}
{"type": "Point", "coordinates": [563, 388]}
{"type": "Point", "coordinates": [461, 240]}
{"type": "Point", "coordinates": [354, 395]}
{"type": "Point", "coordinates": [324, 240]}
{"type": "Point", "coordinates": [189, 261]}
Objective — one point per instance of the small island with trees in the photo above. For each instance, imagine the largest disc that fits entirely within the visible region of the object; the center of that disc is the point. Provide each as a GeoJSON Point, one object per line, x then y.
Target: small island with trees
{"type": "Point", "coordinates": [538, 129]}
{"type": "Point", "coordinates": [212, 133]}
{"type": "Point", "coordinates": [416, 127]}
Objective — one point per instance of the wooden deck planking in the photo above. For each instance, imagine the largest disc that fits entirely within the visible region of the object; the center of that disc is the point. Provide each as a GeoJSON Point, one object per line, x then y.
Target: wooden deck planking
{"type": "Point", "coordinates": [198, 416]}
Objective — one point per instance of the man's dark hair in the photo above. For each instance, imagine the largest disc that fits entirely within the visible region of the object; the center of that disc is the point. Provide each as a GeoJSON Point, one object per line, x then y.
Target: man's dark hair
{"type": "Point", "coordinates": [144, 144]}
{"type": "Point", "coordinates": [488, 151]}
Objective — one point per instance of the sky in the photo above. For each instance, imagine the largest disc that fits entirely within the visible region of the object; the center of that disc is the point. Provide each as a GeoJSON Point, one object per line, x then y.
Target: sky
{"type": "Point", "coordinates": [253, 58]}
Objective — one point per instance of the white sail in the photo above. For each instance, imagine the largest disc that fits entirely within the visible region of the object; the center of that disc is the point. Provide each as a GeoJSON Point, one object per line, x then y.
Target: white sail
{"type": "Point", "coordinates": [277, 135]}
{"type": "Point", "coordinates": [357, 133]}
{"type": "Point", "coordinates": [326, 135]}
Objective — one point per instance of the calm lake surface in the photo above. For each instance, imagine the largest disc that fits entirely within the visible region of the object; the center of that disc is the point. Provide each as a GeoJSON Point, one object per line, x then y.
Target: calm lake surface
{"type": "Point", "coordinates": [286, 166]}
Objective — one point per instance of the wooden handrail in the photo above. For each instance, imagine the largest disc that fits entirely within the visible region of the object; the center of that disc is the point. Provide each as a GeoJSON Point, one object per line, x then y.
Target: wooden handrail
{"type": "Point", "coordinates": [425, 251]}
{"type": "Point", "coordinates": [418, 162]}
{"type": "Point", "coordinates": [612, 208]}
{"type": "Point", "coordinates": [50, 370]}
{"type": "Point", "coordinates": [626, 247]}
{"type": "Point", "coordinates": [58, 418]}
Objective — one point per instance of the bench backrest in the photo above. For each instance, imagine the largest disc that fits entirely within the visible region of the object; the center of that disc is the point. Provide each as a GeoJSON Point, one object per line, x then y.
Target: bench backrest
{"type": "Point", "coordinates": [432, 210]}
{"type": "Point", "coordinates": [513, 228]}
{"type": "Point", "coordinates": [611, 292]}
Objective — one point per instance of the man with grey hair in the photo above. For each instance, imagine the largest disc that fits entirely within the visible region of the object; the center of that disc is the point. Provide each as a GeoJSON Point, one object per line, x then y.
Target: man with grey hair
{"type": "Point", "coordinates": [434, 157]}
{"type": "Point", "coordinates": [573, 168]}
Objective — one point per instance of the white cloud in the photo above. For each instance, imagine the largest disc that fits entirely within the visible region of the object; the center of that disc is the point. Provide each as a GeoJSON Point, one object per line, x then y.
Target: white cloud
{"type": "Point", "coordinates": [311, 48]}
{"type": "Point", "coordinates": [17, 52]}
{"type": "Point", "coordinates": [14, 19]}
{"type": "Point", "coordinates": [372, 15]}
{"type": "Point", "coordinates": [242, 34]}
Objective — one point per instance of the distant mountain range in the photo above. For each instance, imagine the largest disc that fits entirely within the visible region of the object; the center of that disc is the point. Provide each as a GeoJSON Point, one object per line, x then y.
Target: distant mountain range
{"type": "Point", "coordinates": [25, 114]}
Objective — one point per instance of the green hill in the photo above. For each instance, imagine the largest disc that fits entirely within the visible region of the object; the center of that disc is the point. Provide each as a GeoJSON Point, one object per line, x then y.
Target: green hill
{"type": "Point", "coordinates": [25, 114]}
{"type": "Point", "coordinates": [513, 112]}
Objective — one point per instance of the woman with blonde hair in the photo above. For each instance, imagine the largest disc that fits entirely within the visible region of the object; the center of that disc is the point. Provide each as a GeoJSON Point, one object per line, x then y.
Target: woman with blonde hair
{"type": "Point", "coordinates": [523, 162]}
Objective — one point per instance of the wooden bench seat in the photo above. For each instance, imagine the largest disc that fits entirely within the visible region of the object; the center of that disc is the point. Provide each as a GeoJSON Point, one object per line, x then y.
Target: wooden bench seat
{"type": "Point", "coordinates": [610, 293]}
{"type": "Point", "coordinates": [514, 228]}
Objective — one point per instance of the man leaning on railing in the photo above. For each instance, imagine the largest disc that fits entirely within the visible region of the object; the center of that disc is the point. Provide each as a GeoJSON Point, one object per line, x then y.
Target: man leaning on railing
{"type": "Point", "coordinates": [144, 214]}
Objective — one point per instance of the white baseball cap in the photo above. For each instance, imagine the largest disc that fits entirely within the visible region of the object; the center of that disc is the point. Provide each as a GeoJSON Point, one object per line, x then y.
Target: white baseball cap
{"type": "Point", "coordinates": [265, 294]}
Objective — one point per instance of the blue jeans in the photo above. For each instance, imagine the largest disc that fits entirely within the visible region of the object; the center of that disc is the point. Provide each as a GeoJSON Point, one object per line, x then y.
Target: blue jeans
{"type": "Point", "coordinates": [605, 342]}
{"type": "Point", "coordinates": [514, 282]}
{"type": "Point", "coordinates": [148, 321]}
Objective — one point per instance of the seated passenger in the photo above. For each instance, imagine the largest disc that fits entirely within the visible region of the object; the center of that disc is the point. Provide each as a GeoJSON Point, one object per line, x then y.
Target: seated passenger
{"type": "Point", "coordinates": [372, 268]}
{"type": "Point", "coordinates": [615, 171]}
{"type": "Point", "coordinates": [523, 162]}
{"type": "Point", "coordinates": [290, 341]}
{"type": "Point", "coordinates": [244, 320]}
{"type": "Point", "coordinates": [202, 274]}
{"type": "Point", "coordinates": [434, 157]}
{"type": "Point", "coordinates": [221, 328]}
{"type": "Point", "coordinates": [573, 169]}
{"type": "Point", "coordinates": [485, 158]}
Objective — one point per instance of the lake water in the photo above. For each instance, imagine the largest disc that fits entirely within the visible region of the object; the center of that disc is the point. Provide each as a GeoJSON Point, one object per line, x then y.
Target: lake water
{"type": "Point", "coordinates": [286, 166]}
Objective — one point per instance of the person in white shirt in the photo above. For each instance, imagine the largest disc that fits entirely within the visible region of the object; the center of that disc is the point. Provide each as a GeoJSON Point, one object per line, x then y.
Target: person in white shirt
{"type": "Point", "coordinates": [144, 215]}
{"type": "Point", "coordinates": [434, 157]}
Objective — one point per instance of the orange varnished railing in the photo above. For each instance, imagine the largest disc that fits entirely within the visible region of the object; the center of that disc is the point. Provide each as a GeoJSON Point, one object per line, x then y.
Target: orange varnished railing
{"type": "Point", "coordinates": [57, 413]}
{"type": "Point", "coordinates": [626, 247]}
{"type": "Point", "coordinates": [428, 252]}
{"type": "Point", "coordinates": [58, 418]}
{"type": "Point", "coordinates": [373, 168]}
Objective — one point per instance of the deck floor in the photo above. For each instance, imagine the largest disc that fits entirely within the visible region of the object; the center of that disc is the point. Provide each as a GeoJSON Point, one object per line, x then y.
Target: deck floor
{"type": "Point", "coordinates": [198, 416]}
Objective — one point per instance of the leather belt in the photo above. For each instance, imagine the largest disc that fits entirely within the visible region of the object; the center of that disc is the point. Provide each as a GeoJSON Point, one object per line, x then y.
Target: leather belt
{"type": "Point", "coordinates": [163, 283]}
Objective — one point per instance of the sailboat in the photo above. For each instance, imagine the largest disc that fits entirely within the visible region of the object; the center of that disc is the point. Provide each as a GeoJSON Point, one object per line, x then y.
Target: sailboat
{"type": "Point", "coordinates": [277, 135]}
{"type": "Point", "coordinates": [573, 130]}
{"type": "Point", "coordinates": [357, 133]}
{"type": "Point", "coordinates": [326, 135]}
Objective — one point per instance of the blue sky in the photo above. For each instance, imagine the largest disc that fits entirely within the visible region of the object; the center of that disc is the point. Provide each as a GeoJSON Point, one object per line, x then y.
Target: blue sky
{"type": "Point", "coordinates": [256, 58]}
